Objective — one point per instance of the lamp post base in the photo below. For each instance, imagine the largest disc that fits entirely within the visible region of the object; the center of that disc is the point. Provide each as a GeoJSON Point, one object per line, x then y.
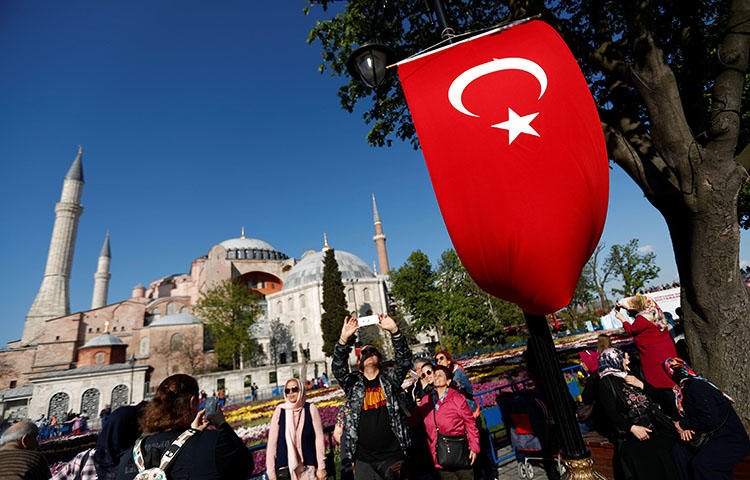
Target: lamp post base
{"type": "Point", "coordinates": [581, 469]}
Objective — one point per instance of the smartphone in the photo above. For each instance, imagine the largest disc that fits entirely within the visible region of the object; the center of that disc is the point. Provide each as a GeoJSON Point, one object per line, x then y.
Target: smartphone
{"type": "Point", "coordinates": [368, 320]}
{"type": "Point", "coordinates": [210, 405]}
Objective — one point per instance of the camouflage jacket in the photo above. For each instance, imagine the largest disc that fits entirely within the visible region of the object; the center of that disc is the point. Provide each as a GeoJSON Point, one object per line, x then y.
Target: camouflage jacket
{"type": "Point", "coordinates": [354, 387]}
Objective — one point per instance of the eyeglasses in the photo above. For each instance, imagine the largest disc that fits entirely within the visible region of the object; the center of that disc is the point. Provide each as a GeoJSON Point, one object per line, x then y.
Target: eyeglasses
{"type": "Point", "coordinates": [426, 372]}
{"type": "Point", "coordinates": [291, 390]}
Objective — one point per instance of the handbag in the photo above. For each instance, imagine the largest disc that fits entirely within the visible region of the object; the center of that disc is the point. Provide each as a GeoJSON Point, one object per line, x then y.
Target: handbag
{"type": "Point", "coordinates": [451, 451]}
{"type": "Point", "coordinates": [701, 438]}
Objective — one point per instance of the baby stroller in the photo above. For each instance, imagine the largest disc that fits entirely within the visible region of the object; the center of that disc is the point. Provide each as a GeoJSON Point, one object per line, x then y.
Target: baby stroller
{"type": "Point", "coordinates": [527, 420]}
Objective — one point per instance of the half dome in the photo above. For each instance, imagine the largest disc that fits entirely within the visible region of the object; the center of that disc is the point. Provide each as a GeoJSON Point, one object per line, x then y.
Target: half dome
{"type": "Point", "coordinates": [103, 340]}
{"type": "Point", "coordinates": [175, 319]}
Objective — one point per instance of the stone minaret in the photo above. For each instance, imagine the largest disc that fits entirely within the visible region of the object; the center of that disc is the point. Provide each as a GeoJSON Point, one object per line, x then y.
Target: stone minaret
{"type": "Point", "coordinates": [101, 277]}
{"type": "Point", "coordinates": [380, 240]}
{"type": "Point", "coordinates": [53, 299]}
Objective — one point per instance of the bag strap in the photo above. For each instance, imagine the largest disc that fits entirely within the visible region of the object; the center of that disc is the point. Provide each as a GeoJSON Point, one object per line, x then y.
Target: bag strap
{"type": "Point", "coordinates": [435, 418]}
{"type": "Point", "coordinates": [176, 447]}
{"type": "Point", "coordinates": [138, 454]}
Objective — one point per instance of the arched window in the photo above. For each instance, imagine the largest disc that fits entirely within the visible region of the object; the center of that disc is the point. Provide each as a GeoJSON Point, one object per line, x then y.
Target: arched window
{"type": "Point", "coordinates": [350, 295]}
{"type": "Point", "coordinates": [290, 304]}
{"type": "Point", "coordinates": [302, 301]}
{"type": "Point", "coordinates": [90, 401]}
{"type": "Point", "coordinates": [119, 396]}
{"type": "Point", "coordinates": [175, 343]}
{"type": "Point", "coordinates": [279, 307]}
{"type": "Point", "coordinates": [170, 308]}
{"type": "Point", "coordinates": [99, 358]}
{"type": "Point", "coordinates": [366, 294]}
{"type": "Point", "coordinates": [58, 405]}
{"type": "Point", "coordinates": [305, 326]}
{"type": "Point", "coordinates": [291, 330]}
{"type": "Point", "coordinates": [156, 313]}
{"type": "Point", "coordinates": [184, 309]}
{"type": "Point", "coordinates": [144, 346]}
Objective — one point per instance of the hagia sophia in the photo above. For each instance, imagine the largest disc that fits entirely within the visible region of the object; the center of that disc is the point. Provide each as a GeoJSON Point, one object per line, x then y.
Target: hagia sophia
{"type": "Point", "coordinates": [114, 353]}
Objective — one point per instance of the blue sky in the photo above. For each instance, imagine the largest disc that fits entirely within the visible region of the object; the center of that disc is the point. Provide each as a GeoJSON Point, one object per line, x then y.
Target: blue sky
{"type": "Point", "coordinates": [196, 121]}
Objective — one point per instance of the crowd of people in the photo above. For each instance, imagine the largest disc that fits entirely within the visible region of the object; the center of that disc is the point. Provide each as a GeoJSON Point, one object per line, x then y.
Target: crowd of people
{"type": "Point", "coordinates": [664, 420]}
{"type": "Point", "coordinates": [666, 423]}
{"type": "Point", "coordinates": [70, 423]}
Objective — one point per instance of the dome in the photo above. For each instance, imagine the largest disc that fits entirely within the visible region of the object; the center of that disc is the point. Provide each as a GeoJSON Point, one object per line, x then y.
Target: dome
{"type": "Point", "coordinates": [175, 319]}
{"type": "Point", "coordinates": [310, 269]}
{"type": "Point", "coordinates": [103, 340]}
{"type": "Point", "coordinates": [246, 243]}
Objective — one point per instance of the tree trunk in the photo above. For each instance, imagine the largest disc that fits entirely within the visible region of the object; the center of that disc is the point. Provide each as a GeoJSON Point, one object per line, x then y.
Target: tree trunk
{"type": "Point", "coordinates": [714, 299]}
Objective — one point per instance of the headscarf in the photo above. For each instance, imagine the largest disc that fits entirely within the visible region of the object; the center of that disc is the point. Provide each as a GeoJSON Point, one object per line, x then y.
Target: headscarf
{"type": "Point", "coordinates": [293, 430]}
{"type": "Point", "coordinates": [611, 363]}
{"type": "Point", "coordinates": [118, 434]}
{"type": "Point", "coordinates": [679, 371]}
{"type": "Point", "coordinates": [590, 360]}
{"type": "Point", "coordinates": [648, 309]}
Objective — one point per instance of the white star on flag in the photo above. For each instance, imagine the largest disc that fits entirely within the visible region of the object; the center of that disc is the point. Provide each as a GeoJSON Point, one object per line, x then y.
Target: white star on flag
{"type": "Point", "coordinates": [516, 125]}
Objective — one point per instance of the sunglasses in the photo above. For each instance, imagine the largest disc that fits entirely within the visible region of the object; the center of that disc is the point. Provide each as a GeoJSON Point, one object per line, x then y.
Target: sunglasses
{"type": "Point", "coordinates": [291, 390]}
{"type": "Point", "coordinates": [441, 357]}
{"type": "Point", "coordinates": [426, 372]}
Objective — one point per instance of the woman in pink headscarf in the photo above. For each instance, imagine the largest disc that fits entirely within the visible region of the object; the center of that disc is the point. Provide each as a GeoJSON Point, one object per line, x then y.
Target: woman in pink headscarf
{"type": "Point", "coordinates": [296, 448]}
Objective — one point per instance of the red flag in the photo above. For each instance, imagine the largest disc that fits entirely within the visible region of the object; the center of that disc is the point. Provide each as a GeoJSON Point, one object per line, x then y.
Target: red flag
{"type": "Point", "coordinates": [516, 154]}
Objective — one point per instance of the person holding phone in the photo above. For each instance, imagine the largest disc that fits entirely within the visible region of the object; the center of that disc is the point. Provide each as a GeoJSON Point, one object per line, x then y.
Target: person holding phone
{"type": "Point", "coordinates": [296, 445]}
{"type": "Point", "coordinates": [376, 435]}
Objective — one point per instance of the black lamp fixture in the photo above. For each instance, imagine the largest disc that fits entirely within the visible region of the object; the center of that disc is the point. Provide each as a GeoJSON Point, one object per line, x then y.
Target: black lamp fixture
{"type": "Point", "coordinates": [368, 63]}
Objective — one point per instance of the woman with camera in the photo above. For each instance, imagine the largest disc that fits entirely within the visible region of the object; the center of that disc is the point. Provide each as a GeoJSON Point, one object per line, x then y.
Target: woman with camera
{"type": "Point", "coordinates": [651, 336]}
{"type": "Point", "coordinates": [449, 423]}
{"type": "Point", "coordinates": [173, 422]}
{"type": "Point", "coordinates": [296, 446]}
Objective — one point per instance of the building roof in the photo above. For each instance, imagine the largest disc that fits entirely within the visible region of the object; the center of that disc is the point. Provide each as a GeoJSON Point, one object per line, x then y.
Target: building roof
{"type": "Point", "coordinates": [175, 319]}
{"type": "Point", "coordinates": [76, 170]}
{"type": "Point", "coordinates": [246, 243]}
{"type": "Point", "coordinates": [18, 392]}
{"type": "Point", "coordinates": [103, 340]}
{"type": "Point", "coordinates": [90, 369]}
{"type": "Point", "coordinates": [105, 247]}
{"type": "Point", "coordinates": [310, 269]}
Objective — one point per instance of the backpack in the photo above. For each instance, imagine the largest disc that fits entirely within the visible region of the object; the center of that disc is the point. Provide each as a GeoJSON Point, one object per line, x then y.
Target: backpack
{"type": "Point", "coordinates": [159, 473]}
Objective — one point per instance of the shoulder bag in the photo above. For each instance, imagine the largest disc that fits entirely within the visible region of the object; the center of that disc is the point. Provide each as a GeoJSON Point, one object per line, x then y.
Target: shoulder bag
{"type": "Point", "coordinates": [451, 451]}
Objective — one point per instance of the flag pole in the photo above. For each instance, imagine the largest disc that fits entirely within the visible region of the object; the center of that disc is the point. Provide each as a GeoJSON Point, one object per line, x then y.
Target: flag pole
{"type": "Point", "coordinates": [544, 368]}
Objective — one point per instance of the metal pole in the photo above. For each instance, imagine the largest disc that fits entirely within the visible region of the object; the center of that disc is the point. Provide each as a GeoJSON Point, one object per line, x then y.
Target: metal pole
{"type": "Point", "coordinates": [447, 31]}
{"type": "Point", "coordinates": [546, 367]}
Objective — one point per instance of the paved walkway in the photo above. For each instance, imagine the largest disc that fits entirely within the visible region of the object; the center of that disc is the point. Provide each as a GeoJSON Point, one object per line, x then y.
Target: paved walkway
{"type": "Point", "coordinates": [509, 469]}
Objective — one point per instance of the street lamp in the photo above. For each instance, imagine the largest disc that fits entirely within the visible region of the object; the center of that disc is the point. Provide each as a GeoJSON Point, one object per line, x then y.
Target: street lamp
{"type": "Point", "coordinates": [368, 63]}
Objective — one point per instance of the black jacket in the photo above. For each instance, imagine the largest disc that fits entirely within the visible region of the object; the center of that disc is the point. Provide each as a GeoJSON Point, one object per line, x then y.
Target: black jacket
{"type": "Point", "coordinates": [210, 454]}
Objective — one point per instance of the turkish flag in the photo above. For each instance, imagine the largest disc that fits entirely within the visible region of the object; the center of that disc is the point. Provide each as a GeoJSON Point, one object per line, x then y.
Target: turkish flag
{"type": "Point", "coordinates": [516, 154]}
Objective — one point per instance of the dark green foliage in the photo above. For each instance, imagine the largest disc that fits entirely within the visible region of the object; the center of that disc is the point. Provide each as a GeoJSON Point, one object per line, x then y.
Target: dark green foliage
{"type": "Point", "coordinates": [229, 310]}
{"type": "Point", "coordinates": [448, 301]}
{"type": "Point", "coordinates": [334, 303]}
{"type": "Point", "coordinates": [632, 266]}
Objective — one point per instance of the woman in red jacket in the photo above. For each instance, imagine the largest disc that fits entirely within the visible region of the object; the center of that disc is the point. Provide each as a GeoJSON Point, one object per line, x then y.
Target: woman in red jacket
{"type": "Point", "coordinates": [654, 344]}
{"type": "Point", "coordinates": [453, 417]}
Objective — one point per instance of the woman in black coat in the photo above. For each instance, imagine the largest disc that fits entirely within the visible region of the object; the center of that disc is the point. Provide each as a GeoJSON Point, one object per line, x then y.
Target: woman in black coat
{"type": "Point", "coordinates": [642, 435]}
{"type": "Point", "coordinates": [705, 410]}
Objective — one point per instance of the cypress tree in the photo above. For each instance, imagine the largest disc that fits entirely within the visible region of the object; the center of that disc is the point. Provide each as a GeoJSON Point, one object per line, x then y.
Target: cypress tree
{"type": "Point", "coordinates": [334, 303]}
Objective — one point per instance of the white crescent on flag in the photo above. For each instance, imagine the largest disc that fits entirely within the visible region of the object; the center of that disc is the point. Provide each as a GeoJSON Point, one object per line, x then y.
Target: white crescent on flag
{"type": "Point", "coordinates": [462, 81]}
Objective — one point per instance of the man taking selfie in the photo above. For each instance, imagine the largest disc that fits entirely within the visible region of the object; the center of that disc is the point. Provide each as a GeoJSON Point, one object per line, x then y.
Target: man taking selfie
{"type": "Point", "coordinates": [376, 433]}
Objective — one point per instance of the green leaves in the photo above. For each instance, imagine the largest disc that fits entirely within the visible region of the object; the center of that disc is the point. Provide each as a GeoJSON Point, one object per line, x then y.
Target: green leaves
{"type": "Point", "coordinates": [450, 303]}
{"type": "Point", "coordinates": [229, 310]}
{"type": "Point", "coordinates": [634, 266]}
{"type": "Point", "coordinates": [334, 303]}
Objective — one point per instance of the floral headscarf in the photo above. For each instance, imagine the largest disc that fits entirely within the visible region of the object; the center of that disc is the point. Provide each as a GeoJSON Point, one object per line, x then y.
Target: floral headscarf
{"type": "Point", "coordinates": [648, 309]}
{"type": "Point", "coordinates": [679, 371]}
{"type": "Point", "coordinates": [611, 363]}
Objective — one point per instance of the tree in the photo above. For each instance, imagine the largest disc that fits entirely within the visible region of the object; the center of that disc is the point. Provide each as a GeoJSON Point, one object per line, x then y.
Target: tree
{"type": "Point", "coordinates": [228, 310]}
{"type": "Point", "coordinates": [668, 78]}
{"type": "Point", "coordinates": [334, 303]}
{"type": "Point", "coordinates": [583, 295]}
{"type": "Point", "coordinates": [413, 287]}
{"type": "Point", "coordinates": [632, 266]}
{"type": "Point", "coordinates": [280, 342]}
{"type": "Point", "coordinates": [599, 272]}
